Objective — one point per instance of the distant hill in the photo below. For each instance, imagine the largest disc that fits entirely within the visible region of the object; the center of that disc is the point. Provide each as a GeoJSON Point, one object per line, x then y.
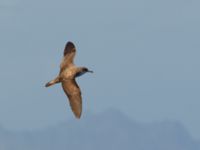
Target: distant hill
{"type": "Point", "coordinates": [110, 130]}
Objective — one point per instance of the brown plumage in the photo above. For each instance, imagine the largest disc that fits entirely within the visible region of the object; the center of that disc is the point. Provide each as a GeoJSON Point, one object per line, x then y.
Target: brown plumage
{"type": "Point", "coordinates": [67, 75]}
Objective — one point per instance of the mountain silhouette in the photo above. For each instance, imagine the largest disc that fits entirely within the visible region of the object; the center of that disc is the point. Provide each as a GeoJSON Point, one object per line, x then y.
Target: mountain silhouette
{"type": "Point", "coordinates": [110, 130]}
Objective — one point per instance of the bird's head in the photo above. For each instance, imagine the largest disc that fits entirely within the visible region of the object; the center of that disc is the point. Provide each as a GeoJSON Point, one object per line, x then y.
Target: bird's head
{"type": "Point", "coordinates": [84, 69]}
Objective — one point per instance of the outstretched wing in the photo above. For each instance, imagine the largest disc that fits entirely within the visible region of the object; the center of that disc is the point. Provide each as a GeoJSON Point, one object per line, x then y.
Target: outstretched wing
{"type": "Point", "coordinates": [69, 53]}
{"type": "Point", "coordinates": [73, 92]}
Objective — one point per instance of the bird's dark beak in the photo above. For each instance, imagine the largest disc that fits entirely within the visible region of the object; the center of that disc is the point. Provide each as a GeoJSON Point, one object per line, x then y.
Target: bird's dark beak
{"type": "Point", "coordinates": [90, 71]}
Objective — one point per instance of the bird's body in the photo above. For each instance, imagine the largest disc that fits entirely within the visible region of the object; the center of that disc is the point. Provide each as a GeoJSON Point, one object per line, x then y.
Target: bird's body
{"type": "Point", "coordinates": [67, 75]}
{"type": "Point", "coordinates": [71, 72]}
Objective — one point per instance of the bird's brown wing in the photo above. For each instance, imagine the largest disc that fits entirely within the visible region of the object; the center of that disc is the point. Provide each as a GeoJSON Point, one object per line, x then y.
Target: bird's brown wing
{"type": "Point", "coordinates": [73, 92]}
{"type": "Point", "coordinates": [69, 53]}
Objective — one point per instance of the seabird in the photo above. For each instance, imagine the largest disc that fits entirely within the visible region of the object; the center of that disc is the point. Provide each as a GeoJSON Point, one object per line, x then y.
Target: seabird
{"type": "Point", "coordinates": [67, 75]}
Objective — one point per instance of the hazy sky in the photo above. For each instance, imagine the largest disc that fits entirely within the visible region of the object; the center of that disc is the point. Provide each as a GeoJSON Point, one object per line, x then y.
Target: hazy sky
{"type": "Point", "coordinates": [145, 55]}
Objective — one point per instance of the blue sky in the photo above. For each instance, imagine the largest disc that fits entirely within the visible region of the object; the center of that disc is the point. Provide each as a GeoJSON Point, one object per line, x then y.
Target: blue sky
{"type": "Point", "coordinates": [145, 55]}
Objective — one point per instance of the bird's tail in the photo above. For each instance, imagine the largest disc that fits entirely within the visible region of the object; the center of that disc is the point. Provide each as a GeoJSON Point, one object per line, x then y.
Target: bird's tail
{"type": "Point", "coordinates": [52, 82]}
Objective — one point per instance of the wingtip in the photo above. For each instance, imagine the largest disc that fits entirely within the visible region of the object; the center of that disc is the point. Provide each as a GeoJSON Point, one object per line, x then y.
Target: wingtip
{"type": "Point", "coordinates": [78, 116]}
{"type": "Point", "coordinates": [47, 84]}
{"type": "Point", "coordinates": [70, 44]}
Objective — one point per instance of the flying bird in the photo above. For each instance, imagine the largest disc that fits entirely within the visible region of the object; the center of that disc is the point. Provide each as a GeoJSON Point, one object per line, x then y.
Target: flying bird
{"type": "Point", "coordinates": [68, 73]}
